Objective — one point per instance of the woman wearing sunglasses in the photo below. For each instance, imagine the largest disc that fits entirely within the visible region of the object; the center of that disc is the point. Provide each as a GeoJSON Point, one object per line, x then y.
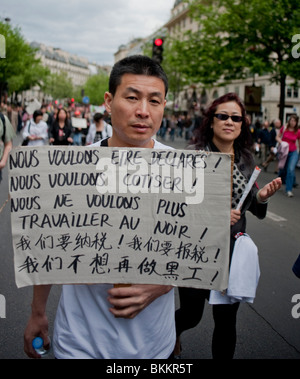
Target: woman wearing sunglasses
{"type": "Point", "coordinates": [225, 129]}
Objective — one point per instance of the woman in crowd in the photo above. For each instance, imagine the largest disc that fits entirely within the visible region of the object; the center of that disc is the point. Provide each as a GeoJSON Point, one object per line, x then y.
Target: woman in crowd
{"type": "Point", "coordinates": [36, 130]}
{"type": "Point", "coordinates": [98, 130]}
{"type": "Point", "coordinates": [225, 129]}
{"type": "Point", "coordinates": [61, 129]}
{"type": "Point", "coordinates": [290, 134]}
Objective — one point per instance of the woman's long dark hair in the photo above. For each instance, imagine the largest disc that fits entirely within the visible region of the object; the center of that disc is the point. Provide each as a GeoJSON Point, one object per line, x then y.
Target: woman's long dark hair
{"type": "Point", "coordinates": [204, 134]}
{"type": "Point", "coordinates": [296, 118]}
{"type": "Point", "coordinates": [67, 121]}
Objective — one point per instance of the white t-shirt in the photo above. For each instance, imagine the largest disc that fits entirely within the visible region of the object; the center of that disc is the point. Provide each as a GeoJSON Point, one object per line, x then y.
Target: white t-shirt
{"type": "Point", "coordinates": [39, 130]}
{"type": "Point", "coordinates": [84, 327]}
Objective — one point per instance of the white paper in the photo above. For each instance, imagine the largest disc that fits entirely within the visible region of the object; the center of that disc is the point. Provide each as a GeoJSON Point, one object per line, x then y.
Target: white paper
{"type": "Point", "coordinates": [252, 180]}
{"type": "Point", "coordinates": [79, 122]}
{"type": "Point", "coordinates": [72, 222]}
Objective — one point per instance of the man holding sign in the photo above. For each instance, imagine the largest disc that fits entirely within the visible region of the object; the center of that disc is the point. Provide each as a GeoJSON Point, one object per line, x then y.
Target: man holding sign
{"type": "Point", "coordinates": [102, 321]}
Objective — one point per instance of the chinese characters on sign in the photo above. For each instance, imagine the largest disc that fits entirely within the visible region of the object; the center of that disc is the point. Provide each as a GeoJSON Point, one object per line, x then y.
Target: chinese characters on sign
{"type": "Point", "coordinates": [107, 215]}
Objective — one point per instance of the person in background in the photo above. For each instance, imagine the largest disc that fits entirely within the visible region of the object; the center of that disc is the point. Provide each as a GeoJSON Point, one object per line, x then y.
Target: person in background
{"type": "Point", "coordinates": [164, 127]}
{"type": "Point", "coordinates": [6, 141]}
{"type": "Point", "coordinates": [86, 115]}
{"type": "Point", "coordinates": [264, 140]}
{"type": "Point", "coordinates": [290, 134]}
{"type": "Point", "coordinates": [45, 113]}
{"type": "Point", "coordinates": [98, 130]}
{"type": "Point", "coordinates": [273, 142]}
{"type": "Point", "coordinates": [12, 115]}
{"type": "Point", "coordinates": [225, 129]}
{"type": "Point", "coordinates": [36, 130]}
{"type": "Point", "coordinates": [172, 127]}
{"type": "Point", "coordinates": [61, 130]}
{"type": "Point", "coordinates": [77, 135]}
{"type": "Point", "coordinates": [53, 109]}
{"type": "Point", "coordinates": [20, 121]}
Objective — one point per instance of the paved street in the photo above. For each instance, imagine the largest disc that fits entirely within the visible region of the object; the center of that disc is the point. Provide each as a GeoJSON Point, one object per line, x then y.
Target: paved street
{"type": "Point", "coordinates": [266, 329]}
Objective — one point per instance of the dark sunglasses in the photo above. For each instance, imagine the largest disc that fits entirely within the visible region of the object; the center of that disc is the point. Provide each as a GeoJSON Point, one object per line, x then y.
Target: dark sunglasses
{"type": "Point", "coordinates": [224, 117]}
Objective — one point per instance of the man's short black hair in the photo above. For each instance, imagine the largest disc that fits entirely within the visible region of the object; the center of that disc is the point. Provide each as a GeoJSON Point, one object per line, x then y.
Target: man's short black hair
{"type": "Point", "coordinates": [98, 116]}
{"type": "Point", "coordinates": [136, 65]}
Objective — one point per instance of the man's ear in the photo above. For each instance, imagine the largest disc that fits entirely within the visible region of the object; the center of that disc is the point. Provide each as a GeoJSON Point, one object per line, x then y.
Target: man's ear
{"type": "Point", "coordinates": [108, 97]}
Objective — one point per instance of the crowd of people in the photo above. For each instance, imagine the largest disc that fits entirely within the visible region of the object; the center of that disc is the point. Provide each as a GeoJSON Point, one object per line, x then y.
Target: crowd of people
{"type": "Point", "coordinates": [276, 142]}
{"type": "Point", "coordinates": [139, 321]}
{"type": "Point", "coordinates": [271, 141]}
{"type": "Point", "coordinates": [52, 124]}
{"type": "Point", "coordinates": [55, 125]}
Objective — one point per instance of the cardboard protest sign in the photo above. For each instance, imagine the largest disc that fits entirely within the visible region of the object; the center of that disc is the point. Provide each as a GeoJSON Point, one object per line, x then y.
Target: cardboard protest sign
{"type": "Point", "coordinates": [80, 123]}
{"type": "Point", "coordinates": [33, 106]}
{"type": "Point", "coordinates": [120, 215]}
{"type": "Point", "coordinates": [97, 109]}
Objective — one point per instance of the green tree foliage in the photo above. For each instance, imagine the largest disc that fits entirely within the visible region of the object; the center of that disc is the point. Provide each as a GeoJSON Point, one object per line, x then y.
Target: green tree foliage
{"type": "Point", "coordinates": [59, 86]}
{"type": "Point", "coordinates": [20, 70]}
{"type": "Point", "coordinates": [239, 38]}
{"type": "Point", "coordinates": [95, 88]}
{"type": "Point", "coordinates": [171, 64]}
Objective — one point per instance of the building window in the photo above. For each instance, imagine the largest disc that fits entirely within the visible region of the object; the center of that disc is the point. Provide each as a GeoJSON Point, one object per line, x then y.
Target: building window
{"type": "Point", "coordinates": [215, 94]}
{"type": "Point", "coordinates": [296, 92]}
{"type": "Point", "coordinates": [289, 91]}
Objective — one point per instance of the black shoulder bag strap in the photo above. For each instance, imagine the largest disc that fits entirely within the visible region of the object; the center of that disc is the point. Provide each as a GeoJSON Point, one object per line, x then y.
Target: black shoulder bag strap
{"type": "Point", "coordinates": [104, 142]}
{"type": "Point", "coordinates": [4, 127]}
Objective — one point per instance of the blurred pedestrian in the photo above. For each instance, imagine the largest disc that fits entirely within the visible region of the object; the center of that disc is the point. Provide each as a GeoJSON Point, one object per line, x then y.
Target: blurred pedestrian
{"type": "Point", "coordinates": [20, 121]}
{"type": "Point", "coordinates": [12, 115]}
{"type": "Point", "coordinates": [180, 126]}
{"type": "Point", "coordinates": [164, 127]}
{"type": "Point", "coordinates": [253, 132]}
{"type": "Point", "coordinates": [60, 132]}
{"type": "Point", "coordinates": [87, 116]}
{"type": "Point", "coordinates": [52, 113]}
{"type": "Point", "coordinates": [77, 136]}
{"type": "Point", "coordinates": [263, 140]}
{"type": "Point", "coordinates": [197, 124]}
{"type": "Point", "coordinates": [36, 130]}
{"type": "Point", "coordinates": [172, 127]}
{"type": "Point", "coordinates": [188, 126]}
{"type": "Point", "coordinates": [45, 113]}
{"type": "Point", "coordinates": [6, 141]}
{"type": "Point", "coordinates": [290, 134]}
{"type": "Point", "coordinates": [98, 130]}
{"type": "Point", "coordinates": [273, 143]}
{"type": "Point", "coordinates": [225, 129]}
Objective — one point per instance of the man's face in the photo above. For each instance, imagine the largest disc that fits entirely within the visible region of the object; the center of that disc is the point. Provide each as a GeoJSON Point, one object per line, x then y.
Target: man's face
{"type": "Point", "coordinates": [137, 110]}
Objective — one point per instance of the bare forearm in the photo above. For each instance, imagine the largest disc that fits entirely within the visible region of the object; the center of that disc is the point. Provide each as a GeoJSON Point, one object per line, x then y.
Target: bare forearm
{"type": "Point", "coordinates": [7, 149]}
{"type": "Point", "coordinates": [40, 298]}
{"type": "Point", "coordinates": [38, 323]}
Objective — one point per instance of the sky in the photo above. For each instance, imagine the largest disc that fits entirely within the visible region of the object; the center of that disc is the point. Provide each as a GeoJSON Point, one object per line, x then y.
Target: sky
{"type": "Point", "coordinates": [93, 29]}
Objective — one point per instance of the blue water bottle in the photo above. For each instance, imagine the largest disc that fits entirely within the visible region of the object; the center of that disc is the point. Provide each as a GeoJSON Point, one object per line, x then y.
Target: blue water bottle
{"type": "Point", "coordinates": [38, 345]}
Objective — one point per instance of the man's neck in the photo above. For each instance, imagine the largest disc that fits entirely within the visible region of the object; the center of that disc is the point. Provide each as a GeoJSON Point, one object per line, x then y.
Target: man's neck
{"type": "Point", "coordinates": [114, 142]}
